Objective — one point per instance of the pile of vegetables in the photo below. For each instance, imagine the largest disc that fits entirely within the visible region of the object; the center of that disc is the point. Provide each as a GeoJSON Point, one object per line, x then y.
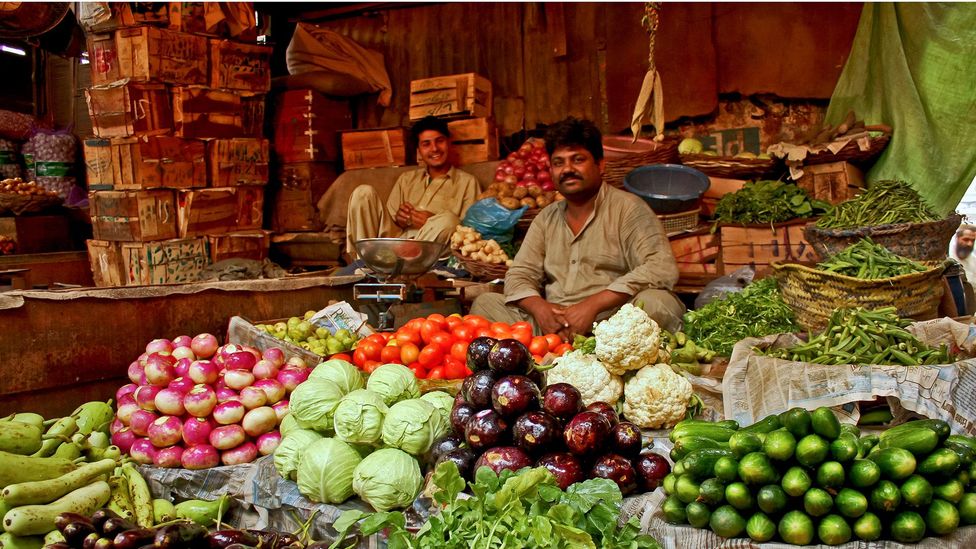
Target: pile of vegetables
{"type": "Point", "coordinates": [510, 509]}
{"type": "Point", "coordinates": [82, 435]}
{"type": "Point", "coordinates": [526, 167]}
{"type": "Point", "coordinates": [858, 336]}
{"type": "Point", "coordinates": [803, 476]}
{"type": "Point", "coordinates": [686, 354]}
{"type": "Point", "coordinates": [469, 243]}
{"type": "Point", "coordinates": [195, 405]}
{"type": "Point", "coordinates": [867, 260]}
{"type": "Point", "coordinates": [757, 311]}
{"type": "Point", "coordinates": [883, 203]}
{"type": "Point", "coordinates": [308, 336]}
{"type": "Point", "coordinates": [767, 202]}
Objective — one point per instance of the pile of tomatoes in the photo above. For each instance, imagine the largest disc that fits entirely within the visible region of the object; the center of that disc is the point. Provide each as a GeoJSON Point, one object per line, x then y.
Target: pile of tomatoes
{"type": "Point", "coordinates": [436, 347]}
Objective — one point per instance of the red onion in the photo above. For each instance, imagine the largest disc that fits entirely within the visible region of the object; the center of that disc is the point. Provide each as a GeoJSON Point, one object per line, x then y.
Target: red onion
{"type": "Point", "coordinates": [292, 377]}
{"type": "Point", "coordinates": [170, 402]}
{"type": "Point", "coordinates": [273, 389]}
{"type": "Point", "coordinates": [160, 345]}
{"type": "Point", "coordinates": [241, 360]}
{"type": "Point", "coordinates": [204, 345]}
{"type": "Point", "coordinates": [226, 437]}
{"type": "Point", "coordinates": [231, 411]}
{"type": "Point", "coordinates": [259, 421]}
{"type": "Point", "coordinates": [203, 371]}
{"type": "Point", "coordinates": [124, 439]}
{"type": "Point", "coordinates": [268, 443]}
{"type": "Point", "coordinates": [146, 397]}
{"type": "Point", "coordinates": [244, 453]}
{"type": "Point", "coordinates": [201, 456]}
{"type": "Point", "coordinates": [275, 355]}
{"type": "Point", "coordinates": [238, 379]}
{"type": "Point", "coordinates": [166, 431]}
{"type": "Point", "coordinates": [160, 369]}
{"type": "Point", "coordinates": [126, 406]}
{"type": "Point", "coordinates": [142, 358]}
{"type": "Point", "coordinates": [169, 457]}
{"type": "Point", "coordinates": [253, 397]}
{"type": "Point", "coordinates": [115, 426]}
{"type": "Point", "coordinates": [196, 430]}
{"type": "Point", "coordinates": [265, 369]}
{"type": "Point", "coordinates": [182, 341]}
{"type": "Point", "coordinates": [142, 451]}
{"type": "Point", "coordinates": [200, 401]}
{"type": "Point", "coordinates": [126, 389]}
{"type": "Point", "coordinates": [281, 409]}
{"type": "Point", "coordinates": [296, 362]}
{"type": "Point", "coordinates": [141, 420]}
{"type": "Point", "coordinates": [253, 350]}
{"type": "Point", "coordinates": [137, 373]}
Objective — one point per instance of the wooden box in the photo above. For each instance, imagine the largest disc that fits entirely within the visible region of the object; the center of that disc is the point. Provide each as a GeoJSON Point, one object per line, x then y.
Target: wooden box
{"type": "Point", "coordinates": [133, 216]}
{"type": "Point", "coordinates": [35, 234]}
{"type": "Point", "coordinates": [150, 53]}
{"type": "Point", "coordinates": [473, 140]}
{"type": "Point", "coordinates": [239, 66]}
{"type": "Point", "coordinates": [124, 14]}
{"type": "Point", "coordinates": [695, 247]}
{"type": "Point", "coordinates": [177, 261]}
{"type": "Point", "coordinates": [240, 161]}
{"type": "Point", "coordinates": [455, 95]}
{"type": "Point", "coordinates": [760, 245]}
{"type": "Point", "coordinates": [307, 249]}
{"type": "Point", "coordinates": [253, 106]}
{"type": "Point", "coordinates": [106, 263]}
{"type": "Point", "coordinates": [135, 163]}
{"type": "Point", "coordinates": [306, 126]}
{"type": "Point", "coordinates": [204, 212]}
{"type": "Point", "coordinates": [296, 196]}
{"type": "Point", "coordinates": [835, 182]}
{"type": "Point", "coordinates": [125, 109]}
{"type": "Point", "coordinates": [717, 188]}
{"type": "Point", "coordinates": [206, 113]}
{"type": "Point", "coordinates": [376, 148]}
{"type": "Point", "coordinates": [103, 59]}
{"type": "Point", "coordinates": [234, 19]}
{"type": "Point", "coordinates": [250, 208]}
{"type": "Point", "coordinates": [246, 245]}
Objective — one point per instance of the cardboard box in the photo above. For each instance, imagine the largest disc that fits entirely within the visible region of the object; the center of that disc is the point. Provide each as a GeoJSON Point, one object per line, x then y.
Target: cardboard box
{"type": "Point", "coordinates": [245, 245]}
{"type": "Point", "coordinates": [177, 261]}
{"type": "Point", "coordinates": [456, 95]}
{"type": "Point", "coordinates": [239, 66]}
{"type": "Point", "coordinates": [240, 161]}
{"type": "Point", "coordinates": [759, 246]}
{"type": "Point", "coordinates": [835, 182]}
{"type": "Point", "coordinates": [135, 163]}
{"type": "Point", "coordinates": [377, 148]}
{"type": "Point", "coordinates": [134, 216]}
{"type": "Point", "coordinates": [473, 140]}
{"type": "Point", "coordinates": [204, 113]}
{"type": "Point", "coordinates": [106, 263]}
{"type": "Point", "coordinates": [150, 53]}
{"type": "Point", "coordinates": [103, 59]}
{"type": "Point", "coordinates": [296, 196]}
{"type": "Point", "coordinates": [306, 126]}
{"type": "Point", "coordinates": [126, 109]}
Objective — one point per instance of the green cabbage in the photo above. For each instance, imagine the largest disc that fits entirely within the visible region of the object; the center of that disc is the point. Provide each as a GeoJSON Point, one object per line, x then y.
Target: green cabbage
{"type": "Point", "coordinates": [325, 471]}
{"type": "Point", "coordinates": [442, 401]}
{"type": "Point", "coordinates": [359, 417]}
{"type": "Point", "coordinates": [394, 382]}
{"type": "Point", "coordinates": [388, 479]}
{"type": "Point", "coordinates": [340, 372]}
{"type": "Point", "coordinates": [413, 425]}
{"type": "Point", "coordinates": [287, 425]}
{"type": "Point", "coordinates": [288, 454]}
{"type": "Point", "coordinates": [313, 403]}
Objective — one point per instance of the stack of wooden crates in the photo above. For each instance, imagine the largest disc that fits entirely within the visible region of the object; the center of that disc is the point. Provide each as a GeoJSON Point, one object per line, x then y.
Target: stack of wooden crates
{"type": "Point", "coordinates": [178, 163]}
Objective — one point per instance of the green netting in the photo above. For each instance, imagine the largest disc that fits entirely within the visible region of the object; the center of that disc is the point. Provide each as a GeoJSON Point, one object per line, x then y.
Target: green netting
{"type": "Point", "coordinates": [913, 66]}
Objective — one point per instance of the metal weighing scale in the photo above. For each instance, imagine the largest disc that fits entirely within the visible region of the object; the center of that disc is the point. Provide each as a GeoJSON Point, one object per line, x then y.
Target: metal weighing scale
{"type": "Point", "coordinates": [394, 263]}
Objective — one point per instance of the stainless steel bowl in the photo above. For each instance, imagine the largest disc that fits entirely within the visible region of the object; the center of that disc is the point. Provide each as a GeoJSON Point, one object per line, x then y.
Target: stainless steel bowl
{"type": "Point", "coordinates": [399, 257]}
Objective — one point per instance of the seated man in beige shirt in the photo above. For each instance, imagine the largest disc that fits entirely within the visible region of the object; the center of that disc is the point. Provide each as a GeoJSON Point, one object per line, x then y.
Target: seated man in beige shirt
{"type": "Point", "coordinates": [584, 257]}
{"type": "Point", "coordinates": [425, 204]}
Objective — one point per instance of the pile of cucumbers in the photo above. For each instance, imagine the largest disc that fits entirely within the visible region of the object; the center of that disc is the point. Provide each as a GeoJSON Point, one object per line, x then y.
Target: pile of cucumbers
{"type": "Point", "coordinates": [805, 478]}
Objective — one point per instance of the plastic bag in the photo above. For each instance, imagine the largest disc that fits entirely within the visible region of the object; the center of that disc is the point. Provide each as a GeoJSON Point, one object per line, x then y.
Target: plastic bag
{"type": "Point", "coordinates": [730, 283]}
{"type": "Point", "coordinates": [52, 156]}
{"type": "Point", "coordinates": [9, 159]}
{"type": "Point", "coordinates": [493, 220]}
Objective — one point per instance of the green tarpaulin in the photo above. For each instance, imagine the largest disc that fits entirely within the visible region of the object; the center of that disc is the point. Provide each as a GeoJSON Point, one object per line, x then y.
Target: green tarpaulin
{"type": "Point", "coordinates": [913, 67]}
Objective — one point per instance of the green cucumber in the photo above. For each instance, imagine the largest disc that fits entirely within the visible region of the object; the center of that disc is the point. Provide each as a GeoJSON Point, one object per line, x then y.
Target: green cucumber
{"type": "Point", "coordinates": [700, 464]}
{"type": "Point", "coordinates": [876, 416]}
{"type": "Point", "coordinates": [766, 425]}
{"type": "Point", "coordinates": [714, 432]}
{"type": "Point", "coordinates": [919, 442]}
{"type": "Point", "coordinates": [685, 445]}
{"type": "Point", "coordinates": [825, 423]}
{"type": "Point", "coordinates": [797, 421]}
{"type": "Point", "coordinates": [943, 461]}
{"type": "Point", "coordinates": [895, 463]}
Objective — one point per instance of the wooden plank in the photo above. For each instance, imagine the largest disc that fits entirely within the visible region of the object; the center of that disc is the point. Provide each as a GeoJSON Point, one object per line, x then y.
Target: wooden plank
{"type": "Point", "coordinates": [157, 161]}
{"type": "Point", "coordinates": [556, 21]}
{"type": "Point", "coordinates": [466, 94]}
{"type": "Point", "coordinates": [376, 148]}
{"type": "Point", "coordinates": [240, 66]}
{"type": "Point", "coordinates": [306, 126]}
{"type": "Point", "coordinates": [150, 53]}
{"type": "Point", "coordinates": [35, 234]}
{"type": "Point", "coordinates": [98, 163]}
{"type": "Point", "coordinates": [125, 109]}
{"type": "Point", "coordinates": [241, 161]}
{"type": "Point", "coordinates": [204, 113]}
{"type": "Point", "coordinates": [250, 208]}
{"type": "Point", "coordinates": [133, 215]}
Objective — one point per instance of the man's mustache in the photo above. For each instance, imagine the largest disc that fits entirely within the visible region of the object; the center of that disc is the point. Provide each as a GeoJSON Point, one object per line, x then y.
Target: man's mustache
{"type": "Point", "coordinates": [569, 175]}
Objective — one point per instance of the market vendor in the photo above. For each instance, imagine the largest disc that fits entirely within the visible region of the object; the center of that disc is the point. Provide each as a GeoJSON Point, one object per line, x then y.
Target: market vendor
{"type": "Point", "coordinates": [425, 204]}
{"type": "Point", "coordinates": [963, 251]}
{"type": "Point", "coordinates": [584, 257]}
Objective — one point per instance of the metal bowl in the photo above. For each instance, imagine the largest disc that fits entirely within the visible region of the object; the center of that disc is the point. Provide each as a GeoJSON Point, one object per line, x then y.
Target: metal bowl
{"type": "Point", "coordinates": [399, 257]}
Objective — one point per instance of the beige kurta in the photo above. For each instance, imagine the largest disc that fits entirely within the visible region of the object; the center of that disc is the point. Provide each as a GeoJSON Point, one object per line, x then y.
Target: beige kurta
{"type": "Point", "coordinates": [448, 197]}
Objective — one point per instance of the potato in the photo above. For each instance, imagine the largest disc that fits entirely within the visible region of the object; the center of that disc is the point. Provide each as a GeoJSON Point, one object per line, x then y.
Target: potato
{"type": "Point", "coordinates": [511, 203]}
{"type": "Point", "coordinates": [550, 195]}
{"type": "Point", "coordinates": [520, 192]}
{"type": "Point", "coordinates": [504, 193]}
{"type": "Point", "coordinates": [542, 202]}
{"type": "Point", "coordinates": [535, 191]}
{"type": "Point", "coordinates": [528, 201]}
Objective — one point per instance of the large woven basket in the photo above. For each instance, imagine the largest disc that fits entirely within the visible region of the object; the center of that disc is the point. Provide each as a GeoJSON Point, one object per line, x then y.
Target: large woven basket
{"type": "Point", "coordinates": [737, 168]}
{"type": "Point", "coordinates": [622, 156]}
{"type": "Point", "coordinates": [481, 270]}
{"type": "Point", "coordinates": [26, 203]}
{"type": "Point", "coordinates": [920, 241]}
{"type": "Point", "coordinates": [814, 295]}
{"type": "Point", "coordinates": [852, 151]}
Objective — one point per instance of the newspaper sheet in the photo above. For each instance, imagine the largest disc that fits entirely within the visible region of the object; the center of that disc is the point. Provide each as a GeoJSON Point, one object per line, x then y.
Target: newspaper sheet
{"type": "Point", "coordinates": [756, 386]}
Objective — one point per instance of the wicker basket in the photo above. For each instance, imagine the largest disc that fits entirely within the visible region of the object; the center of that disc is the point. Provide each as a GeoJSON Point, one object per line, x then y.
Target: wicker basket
{"type": "Point", "coordinates": [622, 156]}
{"type": "Point", "coordinates": [680, 222]}
{"type": "Point", "coordinates": [814, 295]}
{"type": "Point", "coordinates": [26, 203]}
{"type": "Point", "coordinates": [481, 270]}
{"type": "Point", "coordinates": [920, 241]}
{"type": "Point", "coordinates": [852, 152]}
{"type": "Point", "coordinates": [736, 168]}
{"type": "Point", "coordinates": [527, 217]}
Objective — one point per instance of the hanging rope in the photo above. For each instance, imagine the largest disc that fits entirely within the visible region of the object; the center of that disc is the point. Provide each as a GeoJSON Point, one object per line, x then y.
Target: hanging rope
{"type": "Point", "coordinates": [650, 101]}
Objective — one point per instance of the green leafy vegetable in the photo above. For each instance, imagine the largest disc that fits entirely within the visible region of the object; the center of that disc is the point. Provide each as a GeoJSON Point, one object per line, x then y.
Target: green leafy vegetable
{"type": "Point", "coordinates": [767, 202]}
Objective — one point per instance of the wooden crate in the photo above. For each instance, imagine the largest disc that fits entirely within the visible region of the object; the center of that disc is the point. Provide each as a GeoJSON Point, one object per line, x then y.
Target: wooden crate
{"type": "Point", "coordinates": [473, 140]}
{"type": "Point", "coordinates": [695, 247]}
{"type": "Point", "coordinates": [376, 148]}
{"type": "Point", "coordinates": [204, 212]}
{"type": "Point", "coordinates": [103, 59]}
{"type": "Point", "coordinates": [455, 95]}
{"type": "Point", "coordinates": [135, 163]}
{"type": "Point", "coordinates": [176, 261]}
{"type": "Point", "coordinates": [205, 113]}
{"type": "Point", "coordinates": [240, 66]}
{"type": "Point", "coordinates": [106, 263]}
{"type": "Point", "coordinates": [151, 53]}
{"type": "Point", "coordinates": [128, 14]}
{"type": "Point", "coordinates": [240, 161]}
{"type": "Point", "coordinates": [253, 107]}
{"type": "Point", "coordinates": [233, 19]}
{"type": "Point", "coordinates": [250, 208]}
{"type": "Point", "coordinates": [835, 182]}
{"type": "Point", "coordinates": [126, 109]}
{"type": "Point", "coordinates": [245, 245]}
{"type": "Point", "coordinates": [133, 216]}
{"type": "Point", "coordinates": [717, 188]}
{"type": "Point", "coordinates": [306, 126]}
{"type": "Point", "coordinates": [296, 195]}
{"type": "Point", "coordinates": [760, 245]}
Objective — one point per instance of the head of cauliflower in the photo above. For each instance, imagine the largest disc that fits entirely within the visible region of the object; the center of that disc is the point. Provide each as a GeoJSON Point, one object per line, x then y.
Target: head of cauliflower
{"type": "Point", "coordinates": [628, 340]}
{"type": "Point", "coordinates": [656, 397]}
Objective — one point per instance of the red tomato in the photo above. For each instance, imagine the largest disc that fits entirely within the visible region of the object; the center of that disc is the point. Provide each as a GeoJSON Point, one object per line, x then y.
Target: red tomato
{"type": "Point", "coordinates": [562, 349]}
{"type": "Point", "coordinates": [430, 328]}
{"type": "Point", "coordinates": [430, 356]}
{"type": "Point", "coordinates": [521, 325]}
{"type": "Point", "coordinates": [453, 321]}
{"type": "Point", "coordinates": [436, 317]}
{"type": "Point", "coordinates": [409, 353]}
{"type": "Point", "coordinates": [463, 333]}
{"type": "Point", "coordinates": [419, 371]}
{"type": "Point", "coordinates": [523, 334]}
{"type": "Point", "coordinates": [554, 341]}
{"type": "Point", "coordinates": [375, 338]}
{"type": "Point", "coordinates": [390, 354]}
{"type": "Point", "coordinates": [371, 365]}
{"type": "Point", "coordinates": [454, 368]}
{"type": "Point", "coordinates": [477, 321]}
{"type": "Point", "coordinates": [414, 324]}
{"type": "Point", "coordinates": [459, 350]}
{"type": "Point", "coordinates": [341, 356]}
{"type": "Point", "coordinates": [407, 335]}
{"type": "Point", "coordinates": [444, 340]}
{"type": "Point", "coordinates": [483, 332]}
{"type": "Point", "coordinates": [539, 346]}
{"type": "Point", "coordinates": [499, 328]}
{"type": "Point", "coordinates": [371, 348]}
{"type": "Point", "coordinates": [436, 373]}
{"type": "Point", "coordinates": [537, 359]}
{"type": "Point", "coordinates": [359, 357]}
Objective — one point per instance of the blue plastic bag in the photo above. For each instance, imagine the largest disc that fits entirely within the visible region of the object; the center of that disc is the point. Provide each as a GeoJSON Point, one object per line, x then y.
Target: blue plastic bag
{"type": "Point", "coordinates": [493, 220]}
